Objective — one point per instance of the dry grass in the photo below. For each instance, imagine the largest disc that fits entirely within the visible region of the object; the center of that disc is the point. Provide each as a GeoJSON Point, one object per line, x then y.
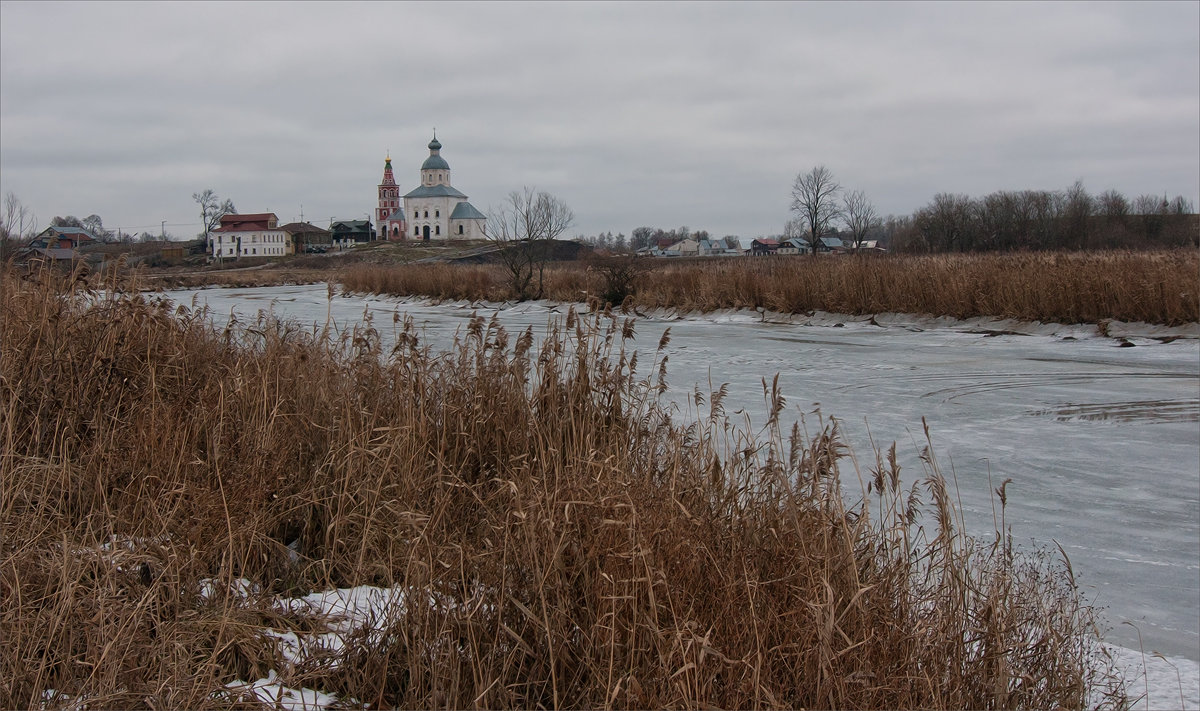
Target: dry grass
{"type": "Point", "coordinates": [239, 278]}
{"type": "Point", "coordinates": [585, 549]}
{"type": "Point", "coordinates": [1082, 287]}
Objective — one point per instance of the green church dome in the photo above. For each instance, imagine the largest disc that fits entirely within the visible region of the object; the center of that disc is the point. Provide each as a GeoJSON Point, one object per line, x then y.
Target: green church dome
{"type": "Point", "coordinates": [435, 163]}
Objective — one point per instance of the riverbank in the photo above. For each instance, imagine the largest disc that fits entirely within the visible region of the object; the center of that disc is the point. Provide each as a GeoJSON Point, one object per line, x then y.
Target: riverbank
{"type": "Point", "coordinates": [559, 539]}
{"type": "Point", "coordinates": [1078, 287]}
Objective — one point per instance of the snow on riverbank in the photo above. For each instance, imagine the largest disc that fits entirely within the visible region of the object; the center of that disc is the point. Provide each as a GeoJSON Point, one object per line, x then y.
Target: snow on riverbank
{"type": "Point", "coordinates": [1156, 681]}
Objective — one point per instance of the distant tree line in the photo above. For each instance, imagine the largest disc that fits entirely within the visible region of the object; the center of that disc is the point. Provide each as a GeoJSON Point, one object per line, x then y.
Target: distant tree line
{"type": "Point", "coordinates": [1003, 221]}
{"type": "Point", "coordinates": [1045, 219]}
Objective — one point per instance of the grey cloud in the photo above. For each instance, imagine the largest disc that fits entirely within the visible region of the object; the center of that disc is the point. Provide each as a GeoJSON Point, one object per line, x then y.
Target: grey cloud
{"type": "Point", "coordinates": [659, 114]}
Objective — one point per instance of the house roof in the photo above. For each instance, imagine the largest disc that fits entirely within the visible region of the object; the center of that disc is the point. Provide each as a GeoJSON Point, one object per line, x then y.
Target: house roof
{"type": "Point", "coordinates": [466, 211]}
{"type": "Point", "coordinates": [397, 216]}
{"type": "Point", "coordinates": [241, 222]}
{"type": "Point", "coordinates": [248, 217]}
{"type": "Point", "coordinates": [350, 224]}
{"type": "Point", "coordinates": [767, 242]}
{"type": "Point", "coordinates": [435, 191]}
{"type": "Point", "coordinates": [297, 228]}
{"type": "Point", "coordinates": [69, 230]}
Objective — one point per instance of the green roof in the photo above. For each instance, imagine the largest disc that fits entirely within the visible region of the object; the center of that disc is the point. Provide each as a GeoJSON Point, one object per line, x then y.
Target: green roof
{"type": "Point", "coordinates": [435, 191]}
{"type": "Point", "coordinates": [435, 163]}
{"type": "Point", "coordinates": [466, 211]}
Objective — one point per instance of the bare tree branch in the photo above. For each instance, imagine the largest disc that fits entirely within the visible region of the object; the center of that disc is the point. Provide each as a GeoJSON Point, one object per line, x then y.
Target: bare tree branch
{"type": "Point", "coordinates": [211, 211]}
{"type": "Point", "coordinates": [814, 200]}
{"type": "Point", "coordinates": [523, 227]}
{"type": "Point", "coordinates": [860, 216]}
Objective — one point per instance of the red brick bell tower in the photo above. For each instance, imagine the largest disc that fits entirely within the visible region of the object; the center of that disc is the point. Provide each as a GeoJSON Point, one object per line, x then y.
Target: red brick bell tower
{"type": "Point", "coordinates": [389, 216]}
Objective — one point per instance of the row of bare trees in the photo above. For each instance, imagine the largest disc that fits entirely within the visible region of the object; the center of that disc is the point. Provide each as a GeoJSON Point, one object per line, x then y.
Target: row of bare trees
{"type": "Point", "coordinates": [1002, 221]}
{"type": "Point", "coordinates": [1045, 219]}
{"type": "Point", "coordinates": [821, 203]}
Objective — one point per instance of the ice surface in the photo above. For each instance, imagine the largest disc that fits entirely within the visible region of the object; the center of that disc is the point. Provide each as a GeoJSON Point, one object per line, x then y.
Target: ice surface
{"type": "Point", "coordinates": [1100, 439]}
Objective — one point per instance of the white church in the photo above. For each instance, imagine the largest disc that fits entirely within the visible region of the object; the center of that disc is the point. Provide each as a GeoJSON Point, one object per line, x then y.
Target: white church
{"type": "Point", "coordinates": [432, 211]}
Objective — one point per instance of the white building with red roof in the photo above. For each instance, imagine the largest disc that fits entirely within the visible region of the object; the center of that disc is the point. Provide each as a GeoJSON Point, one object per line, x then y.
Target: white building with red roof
{"type": "Point", "coordinates": [250, 235]}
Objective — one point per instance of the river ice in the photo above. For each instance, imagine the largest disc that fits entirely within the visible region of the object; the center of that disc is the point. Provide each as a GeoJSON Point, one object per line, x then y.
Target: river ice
{"type": "Point", "coordinates": [1099, 434]}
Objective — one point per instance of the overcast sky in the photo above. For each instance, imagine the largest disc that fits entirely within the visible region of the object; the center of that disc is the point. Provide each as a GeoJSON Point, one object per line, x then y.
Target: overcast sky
{"type": "Point", "coordinates": [697, 114]}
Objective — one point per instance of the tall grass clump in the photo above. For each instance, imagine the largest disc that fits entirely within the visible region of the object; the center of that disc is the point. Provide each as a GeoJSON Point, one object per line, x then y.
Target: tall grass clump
{"type": "Point", "coordinates": [556, 537]}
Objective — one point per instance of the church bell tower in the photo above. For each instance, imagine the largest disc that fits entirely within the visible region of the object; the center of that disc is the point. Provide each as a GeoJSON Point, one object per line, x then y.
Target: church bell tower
{"type": "Point", "coordinates": [389, 205]}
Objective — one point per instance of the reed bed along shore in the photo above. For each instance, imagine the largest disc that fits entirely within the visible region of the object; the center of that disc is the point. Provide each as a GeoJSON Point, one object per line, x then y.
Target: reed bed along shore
{"type": "Point", "coordinates": [555, 538]}
{"type": "Point", "coordinates": [1078, 287]}
{"type": "Point", "coordinates": [235, 278]}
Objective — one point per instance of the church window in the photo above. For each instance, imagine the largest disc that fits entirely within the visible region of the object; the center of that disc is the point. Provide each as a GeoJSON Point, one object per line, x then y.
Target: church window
{"type": "Point", "coordinates": [437, 213]}
{"type": "Point", "coordinates": [437, 230]}
{"type": "Point", "coordinates": [416, 231]}
{"type": "Point", "coordinates": [427, 213]}
{"type": "Point", "coordinates": [460, 229]}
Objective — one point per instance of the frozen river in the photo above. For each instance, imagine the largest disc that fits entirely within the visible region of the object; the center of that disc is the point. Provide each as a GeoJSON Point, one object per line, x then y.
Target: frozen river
{"type": "Point", "coordinates": [1102, 442]}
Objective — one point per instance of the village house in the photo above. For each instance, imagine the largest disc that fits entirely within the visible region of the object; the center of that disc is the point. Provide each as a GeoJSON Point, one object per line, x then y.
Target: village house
{"type": "Point", "coordinates": [795, 245]}
{"type": "Point", "coordinates": [307, 237]}
{"type": "Point", "coordinates": [798, 245]}
{"type": "Point", "coordinates": [62, 238]}
{"type": "Point", "coordinates": [763, 247]}
{"type": "Point", "coordinates": [250, 235]}
{"type": "Point", "coordinates": [347, 232]}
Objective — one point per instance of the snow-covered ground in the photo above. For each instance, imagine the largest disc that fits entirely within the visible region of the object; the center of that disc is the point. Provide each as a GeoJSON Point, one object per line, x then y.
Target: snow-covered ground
{"type": "Point", "coordinates": [1099, 433]}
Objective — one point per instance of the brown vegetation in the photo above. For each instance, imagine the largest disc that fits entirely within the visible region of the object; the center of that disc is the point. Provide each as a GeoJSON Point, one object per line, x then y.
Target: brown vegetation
{"type": "Point", "coordinates": [586, 550]}
{"type": "Point", "coordinates": [1078, 287]}
{"type": "Point", "coordinates": [238, 278]}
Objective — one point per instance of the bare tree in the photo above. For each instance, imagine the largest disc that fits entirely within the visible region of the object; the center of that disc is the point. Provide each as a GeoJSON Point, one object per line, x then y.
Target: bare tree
{"type": "Point", "coordinates": [1181, 206]}
{"type": "Point", "coordinates": [947, 224]}
{"type": "Point", "coordinates": [794, 229]}
{"type": "Point", "coordinates": [1150, 210]}
{"type": "Point", "coordinates": [1077, 213]}
{"type": "Point", "coordinates": [524, 227]}
{"type": "Point", "coordinates": [95, 226]}
{"type": "Point", "coordinates": [814, 200]}
{"type": "Point", "coordinates": [860, 217]}
{"type": "Point", "coordinates": [211, 211]}
{"type": "Point", "coordinates": [1114, 206]}
{"type": "Point", "coordinates": [17, 221]}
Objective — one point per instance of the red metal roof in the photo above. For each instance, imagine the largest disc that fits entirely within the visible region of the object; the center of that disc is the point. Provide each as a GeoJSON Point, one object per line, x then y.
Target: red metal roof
{"type": "Point", "coordinates": [247, 221]}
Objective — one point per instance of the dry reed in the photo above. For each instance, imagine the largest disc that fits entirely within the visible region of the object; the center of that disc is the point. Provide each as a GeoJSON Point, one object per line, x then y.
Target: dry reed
{"type": "Point", "coordinates": [1078, 287]}
{"type": "Point", "coordinates": [580, 547]}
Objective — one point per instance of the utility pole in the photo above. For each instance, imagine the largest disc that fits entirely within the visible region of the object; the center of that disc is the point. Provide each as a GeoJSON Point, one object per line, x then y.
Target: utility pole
{"type": "Point", "coordinates": [164, 230]}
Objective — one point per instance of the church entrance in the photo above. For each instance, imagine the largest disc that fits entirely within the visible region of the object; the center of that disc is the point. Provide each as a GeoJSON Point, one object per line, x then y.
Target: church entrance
{"type": "Point", "coordinates": [425, 233]}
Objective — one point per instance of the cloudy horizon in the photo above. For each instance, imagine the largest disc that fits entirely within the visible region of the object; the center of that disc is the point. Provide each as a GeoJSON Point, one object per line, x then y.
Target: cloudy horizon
{"type": "Point", "coordinates": [658, 114]}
